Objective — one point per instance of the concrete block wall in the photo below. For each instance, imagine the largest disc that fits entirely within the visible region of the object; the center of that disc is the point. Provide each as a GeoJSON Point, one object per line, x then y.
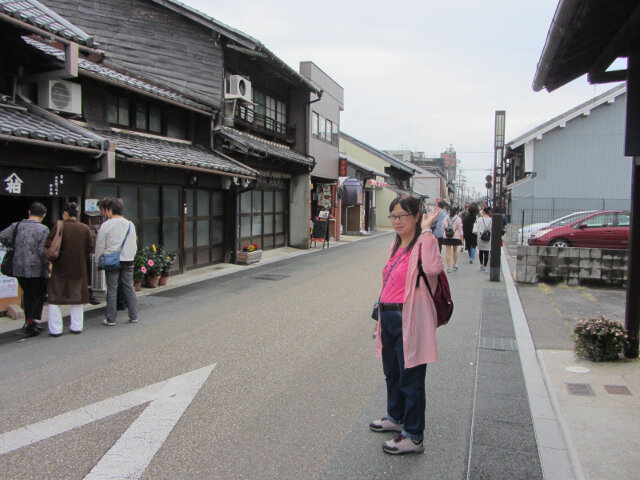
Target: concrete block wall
{"type": "Point", "coordinates": [571, 265]}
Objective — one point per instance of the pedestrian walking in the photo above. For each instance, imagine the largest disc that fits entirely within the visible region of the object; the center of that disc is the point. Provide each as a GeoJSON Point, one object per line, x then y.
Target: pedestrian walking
{"type": "Point", "coordinates": [406, 327]}
{"type": "Point", "coordinates": [69, 284]}
{"type": "Point", "coordinates": [452, 238]}
{"type": "Point", "coordinates": [29, 264]}
{"type": "Point", "coordinates": [483, 227]}
{"type": "Point", "coordinates": [437, 224]}
{"type": "Point", "coordinates": [118, 233]}
{"type": "Point", "coordinates": [470, 236]}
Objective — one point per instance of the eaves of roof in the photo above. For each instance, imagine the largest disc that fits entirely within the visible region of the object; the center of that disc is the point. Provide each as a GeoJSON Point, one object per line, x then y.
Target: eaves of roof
{"type": "Point", "coordinates": [23, 121]}
{"type": "Point", "coordinates": [105, 73]}
{"type": "Point", "coordinates": [387, 158]}
{"type": "Point", "coordinates": [586, 36]}
{"type": "Point", "coordinates": [256, 146]}
{"type": "Point", "coordinates": [160, 151]}
{"type": "Point", "coordinates": [36, 14]}
{"type": "Point", "coordinates": [238, 37]}
{"type": "Point", "coordinates": [561, 120]}
{"type": "Point", "coordinates": [365, 167]}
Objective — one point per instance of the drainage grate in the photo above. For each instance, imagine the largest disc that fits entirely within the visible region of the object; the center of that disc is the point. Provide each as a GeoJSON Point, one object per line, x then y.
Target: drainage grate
{"type": "Point", "coordinates": [583, 389]}
{"type": "Point", "coordinates": [494, 293]}
{"type": "Point", "coordinates": [617, 390]}
{"type": "Point", "coordinates": [270, 276]}
{"type": "Point", "coordinates": [506, 344]}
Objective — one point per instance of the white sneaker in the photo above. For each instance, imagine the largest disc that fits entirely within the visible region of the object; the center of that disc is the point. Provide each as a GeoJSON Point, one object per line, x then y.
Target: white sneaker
{"type": "Point", "coordinates": [385, 425]}
{"type": "Point", "coordinates": [448, 269]}
{"type": "Point", "coordinates": [455, 267]}
{"type": "Point", "coordinates": [401, 445]}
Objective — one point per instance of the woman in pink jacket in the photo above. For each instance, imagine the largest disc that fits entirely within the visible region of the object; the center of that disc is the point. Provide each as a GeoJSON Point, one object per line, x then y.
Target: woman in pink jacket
{"type": "Point", "coordinates": [406, 327]}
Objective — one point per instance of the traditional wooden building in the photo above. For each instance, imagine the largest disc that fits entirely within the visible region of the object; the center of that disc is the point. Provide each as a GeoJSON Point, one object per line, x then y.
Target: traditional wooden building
{"type": "Point", "coordinates": [198, 127]}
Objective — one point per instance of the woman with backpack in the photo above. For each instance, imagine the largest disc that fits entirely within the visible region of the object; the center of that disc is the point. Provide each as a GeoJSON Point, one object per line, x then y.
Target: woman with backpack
{"type": "Point", "coordinates": [452, 237]}
{"type": "Point", "coordinates": [470, 237]}
{"type": "Point", "coordinates": [406, 324]}
{"type": "Point", "coordinates": [483, 227]}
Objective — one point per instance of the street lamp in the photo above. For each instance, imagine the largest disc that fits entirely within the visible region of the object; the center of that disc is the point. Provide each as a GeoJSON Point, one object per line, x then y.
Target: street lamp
{"type": "Point", "coordinates": [496, 217]}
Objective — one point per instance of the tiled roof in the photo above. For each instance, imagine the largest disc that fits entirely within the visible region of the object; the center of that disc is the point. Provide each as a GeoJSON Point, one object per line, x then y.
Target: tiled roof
{"type": "Point", "coordinates": [175, 153]}
{"type": "Point", "coordinates": [109, 73]}
{"type": "Point", "coordinates": [36, 14]}
{"type": "Point", "coordinates": [263, 147]}
{"type": "Point", "coordinates": [18, 121]}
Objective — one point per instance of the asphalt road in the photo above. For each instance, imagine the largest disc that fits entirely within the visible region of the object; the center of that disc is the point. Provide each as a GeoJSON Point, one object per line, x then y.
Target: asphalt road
{"type": "Point", "coordinates": [294, 386]}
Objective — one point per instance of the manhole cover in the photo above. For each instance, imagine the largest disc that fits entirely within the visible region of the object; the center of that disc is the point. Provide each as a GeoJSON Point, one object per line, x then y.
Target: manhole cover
{"type": "Point", "coordinates": [583, 389]}
{"type": "Point", "coordinates": [575, 369]}
{"type": "Point", "coordinates": [617, 390]}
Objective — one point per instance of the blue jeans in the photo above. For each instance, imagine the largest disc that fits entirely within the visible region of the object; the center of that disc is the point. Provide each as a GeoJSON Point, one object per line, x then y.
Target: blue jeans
{"type": "Point", "coordinates": [125, 275]}
{"type": "Point", "coordinates": [472, 253]}
{"type": "Point", "coordinates": [406, 399]}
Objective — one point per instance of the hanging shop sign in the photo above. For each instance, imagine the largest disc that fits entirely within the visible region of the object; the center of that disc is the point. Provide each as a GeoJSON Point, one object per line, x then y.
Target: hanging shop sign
{"type": "Point", "coordinates": [27, 182]}
{"type": "Point", "coordinates": [375, 183]}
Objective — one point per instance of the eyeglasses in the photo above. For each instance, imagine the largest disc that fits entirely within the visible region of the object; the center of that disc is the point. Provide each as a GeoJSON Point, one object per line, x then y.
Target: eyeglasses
{"type": "Point", "coordinates": [402, 217]}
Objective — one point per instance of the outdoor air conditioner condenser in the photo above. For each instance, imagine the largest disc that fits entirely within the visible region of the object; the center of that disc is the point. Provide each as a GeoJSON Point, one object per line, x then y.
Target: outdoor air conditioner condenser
{"type": "Point", "coordinates": [61, 96]}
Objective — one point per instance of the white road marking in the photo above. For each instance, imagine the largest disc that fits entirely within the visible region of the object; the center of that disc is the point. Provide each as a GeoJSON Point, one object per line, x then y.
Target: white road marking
{"type": "Point", "coordinates": [131, 454]}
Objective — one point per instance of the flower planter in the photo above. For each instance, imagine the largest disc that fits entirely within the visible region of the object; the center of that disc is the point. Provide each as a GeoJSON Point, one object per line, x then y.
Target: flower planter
{"type": "Point", "coordinates": [151, 282]}
{"type": "Point", "coordinates": [164, 279]}
{"type": "Point", "coordinates": [137, 285]}
{"type": "Point", "coordinates": [247, 258]}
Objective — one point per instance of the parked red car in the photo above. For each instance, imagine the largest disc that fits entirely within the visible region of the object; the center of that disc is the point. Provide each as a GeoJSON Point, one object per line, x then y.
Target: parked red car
{"type": "Point", "coordinates": [606, 229]}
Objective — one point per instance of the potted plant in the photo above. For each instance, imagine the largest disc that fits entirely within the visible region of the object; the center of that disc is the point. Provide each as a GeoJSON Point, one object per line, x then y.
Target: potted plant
{"type": "Point", "coordinates": [139, 269]}
{"type": "Point", "coordinates": [152, 265]}
{"type": "Point", "coordinates": [249, 254]}
{"type": "Point", "coordinates": [166, 259]}
{"type": "Point", "coordinates": [599, 339]}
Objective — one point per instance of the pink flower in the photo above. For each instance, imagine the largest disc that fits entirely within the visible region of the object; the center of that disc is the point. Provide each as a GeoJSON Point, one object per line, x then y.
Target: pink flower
{"type": "Point", "coordinates": [143, 269]}
{"type": "Point", "coordinates": [150, 263]}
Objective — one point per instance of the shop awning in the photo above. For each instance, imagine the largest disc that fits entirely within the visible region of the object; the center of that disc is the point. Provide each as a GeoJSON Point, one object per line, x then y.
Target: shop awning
{"type": "Point", "coordinates": [181, 154]}
{"type": "Point", "coordinates": [259, 147]}
{"type": "Point", "coordinates": [351, 191]}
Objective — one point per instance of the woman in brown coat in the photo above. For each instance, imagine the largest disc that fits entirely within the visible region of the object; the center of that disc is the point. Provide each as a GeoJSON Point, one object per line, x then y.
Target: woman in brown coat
{"type": "Point", "coordinates": [68, 284]}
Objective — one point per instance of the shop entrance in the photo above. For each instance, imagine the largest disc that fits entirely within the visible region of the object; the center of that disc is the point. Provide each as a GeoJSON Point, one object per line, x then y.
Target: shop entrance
{"type": "Point", "coordinates": [15, 209]}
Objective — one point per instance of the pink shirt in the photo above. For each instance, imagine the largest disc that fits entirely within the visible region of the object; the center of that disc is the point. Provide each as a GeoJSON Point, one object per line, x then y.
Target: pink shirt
{"type": "Point", "coordinates": [419, 313]}
{"type": "Point", "coordinates": [395, 277]}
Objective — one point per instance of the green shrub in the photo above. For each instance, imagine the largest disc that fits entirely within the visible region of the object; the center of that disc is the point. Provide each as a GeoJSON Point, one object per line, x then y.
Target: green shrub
{"type": "Point", "coordinates": [599, 339]}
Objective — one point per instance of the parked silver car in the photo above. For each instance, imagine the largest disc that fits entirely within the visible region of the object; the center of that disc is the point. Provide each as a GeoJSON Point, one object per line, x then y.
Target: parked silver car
{"type": "Point", "coordinates": [529, 231]}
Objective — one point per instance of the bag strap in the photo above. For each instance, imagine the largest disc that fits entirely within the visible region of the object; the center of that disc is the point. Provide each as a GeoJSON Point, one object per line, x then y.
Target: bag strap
{"type": "Point", "coordinates": [421, 274]}
{"type": "Point", "coordinates": [389, 274]}
{"type": "Point", "coordinates": [125, 238]}
{"type": "Point", "coordinates": [15, 233]}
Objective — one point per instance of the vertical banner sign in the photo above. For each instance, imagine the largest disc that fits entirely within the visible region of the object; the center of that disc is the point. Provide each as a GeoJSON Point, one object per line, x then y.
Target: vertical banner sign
{"type": "Point", "coordinates": [8, 285]}
{"type": "Point", "coordinates": [342, 169]}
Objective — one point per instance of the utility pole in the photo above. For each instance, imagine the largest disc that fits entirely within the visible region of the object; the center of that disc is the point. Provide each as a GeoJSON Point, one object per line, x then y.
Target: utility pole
{"type": "Point", "coordinates": [498, 209]}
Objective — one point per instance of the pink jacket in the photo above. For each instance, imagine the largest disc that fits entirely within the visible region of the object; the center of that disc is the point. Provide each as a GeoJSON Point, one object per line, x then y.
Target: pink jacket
{"type": "Point", "coordinates": [419, 312]}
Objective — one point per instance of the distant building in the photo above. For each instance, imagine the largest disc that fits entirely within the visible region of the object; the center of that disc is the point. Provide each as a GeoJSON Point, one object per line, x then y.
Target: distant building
{"type": "Point", "coordinates": [573, 162]}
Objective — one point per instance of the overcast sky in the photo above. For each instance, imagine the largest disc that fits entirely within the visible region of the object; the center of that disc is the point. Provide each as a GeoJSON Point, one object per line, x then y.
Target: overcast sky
{"type": "Point", "coordinates": [419, 75]}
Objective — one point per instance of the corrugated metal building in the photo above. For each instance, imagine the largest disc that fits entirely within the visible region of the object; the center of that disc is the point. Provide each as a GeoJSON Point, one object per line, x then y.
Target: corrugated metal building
{"type": "Point", "coordinates": [573, 162]}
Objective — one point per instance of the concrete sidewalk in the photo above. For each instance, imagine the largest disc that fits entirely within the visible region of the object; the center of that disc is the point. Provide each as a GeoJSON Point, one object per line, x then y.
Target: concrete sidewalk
{"type": "Point", "coordinates": [595, 405]}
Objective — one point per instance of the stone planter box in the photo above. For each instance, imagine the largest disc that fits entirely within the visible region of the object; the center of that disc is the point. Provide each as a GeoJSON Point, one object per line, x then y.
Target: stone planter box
{"type": "Point", "coordinates": [247, 258]}
{"type": "Point", "coordinates": [571, 265]}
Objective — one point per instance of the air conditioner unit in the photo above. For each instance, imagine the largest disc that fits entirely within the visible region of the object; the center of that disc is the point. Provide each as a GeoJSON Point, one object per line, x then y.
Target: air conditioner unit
{"type": "Point", "coordinates": [238, 87]}
{"type": "Point", "coordinates": [60, 95]}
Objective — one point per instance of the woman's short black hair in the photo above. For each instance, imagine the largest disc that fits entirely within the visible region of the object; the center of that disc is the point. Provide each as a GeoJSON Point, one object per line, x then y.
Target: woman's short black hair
{"type": "Point", "coordinates": [116, 205]}
{"type": "Point", "coordinates": [37, 209]}
{"type": "Point", "coordinates": [71, 208]}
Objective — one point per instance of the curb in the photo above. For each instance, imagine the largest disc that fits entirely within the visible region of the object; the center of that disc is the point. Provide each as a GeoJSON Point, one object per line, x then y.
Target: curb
{"type": "Point", "coordinates": [555, 455]}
